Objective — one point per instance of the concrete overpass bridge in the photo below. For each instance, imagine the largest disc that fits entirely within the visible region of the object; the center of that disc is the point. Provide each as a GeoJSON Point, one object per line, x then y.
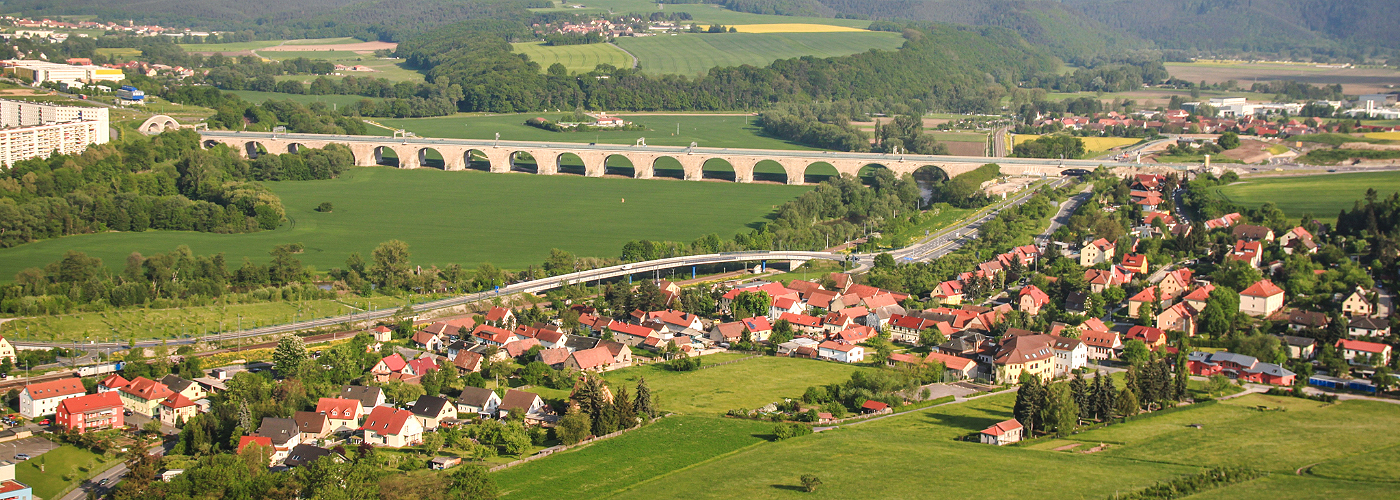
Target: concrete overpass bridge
{"type": "Point", "coordinates": [502, 156]}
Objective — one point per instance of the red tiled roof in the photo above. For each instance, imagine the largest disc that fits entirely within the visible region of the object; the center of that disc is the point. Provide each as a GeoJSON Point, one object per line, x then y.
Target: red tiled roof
{"type": "Point", "coordinates": [515, 349]}
{"type": "Point", "coordinates": [950, 361]}
{"type": "Point", "coordinates": [386, 421]}
{"type": "Point", "coordinates": [554, 356]}
{"type": "Point", "coordinates": [394, 362]}
{"type": "Point", "coordinates": [90, 402]}
{"type": "Point", "coordinates": [55, 388]}
{"type": "Point", "coordinates": [801, 319]}
{"type": "Point", "coordinates": [260, 440]}
{"type": "Point", "coordinates": [114, 381]}
{"type": "Point", "coordinates": [1037, 296]}
{"type": "Point", "coordinates": [757, 324]}
{"type": "Point", "coordinates": [339, 409]}
{"type": "Point", "coordinates": [1262, 288]}
{"type": "Point", "coordinates": [1148, 294]}
{"type": "Point", "coordinates": [1357, 345]}
{"type": "Point", "coordinates": [631, 329]}
{"type": "Point", "coordinates": [147, 389]}
{"type": "Point", "coordinates": [467, 360]}
{"type": "Point", "coordinates": [836, 346]}
{"type": "Point", "coordinates": [491, 333]}
{"type": "Point", "coordinates": [873, 405]}
{"type": "Point", "coordinates": [1002, 428]}
{"type": "Point", "coordinates": [588, 359]}
{"type": "Point", "coordinates": [177, 401]}
{"type": "Point", "coordinates": [496, 314]}
{"type": "Point", "coordinates": [421, 366]}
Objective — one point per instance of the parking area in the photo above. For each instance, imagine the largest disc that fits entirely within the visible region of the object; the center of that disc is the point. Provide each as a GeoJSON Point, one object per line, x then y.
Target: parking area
{"type": "Point", "coordinates": [32, 446]}
{"type": "Point", "coordinates": [936, 391]}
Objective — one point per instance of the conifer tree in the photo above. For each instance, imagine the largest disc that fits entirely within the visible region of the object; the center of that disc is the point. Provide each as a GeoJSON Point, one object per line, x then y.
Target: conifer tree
{"type": "Point", "coordinates": [644, 405]}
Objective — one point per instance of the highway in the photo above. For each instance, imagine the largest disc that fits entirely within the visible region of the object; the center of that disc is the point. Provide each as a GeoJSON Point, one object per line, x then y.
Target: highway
{"type": "Point", "coordinates": [950, 239]}
{"type": "Point", "coordinates": [672, 150]}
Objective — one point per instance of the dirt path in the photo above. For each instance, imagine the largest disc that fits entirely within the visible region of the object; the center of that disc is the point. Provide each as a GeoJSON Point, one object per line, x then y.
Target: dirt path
{"type": "Point", "coordinates": [624, 51]}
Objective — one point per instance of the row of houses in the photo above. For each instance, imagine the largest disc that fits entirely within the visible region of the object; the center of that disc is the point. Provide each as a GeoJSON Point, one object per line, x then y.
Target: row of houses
{"type": "Point", "coordinates": [171, 400]}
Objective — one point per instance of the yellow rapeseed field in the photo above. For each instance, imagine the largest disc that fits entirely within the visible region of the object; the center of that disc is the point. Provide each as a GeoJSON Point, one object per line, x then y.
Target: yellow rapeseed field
{"type": "Point", "coordinates": [792, 28]}
{"type": "Point", "coordinates": [1090, 143]}
{"type": "Point", "coordinates": [1394, 136]}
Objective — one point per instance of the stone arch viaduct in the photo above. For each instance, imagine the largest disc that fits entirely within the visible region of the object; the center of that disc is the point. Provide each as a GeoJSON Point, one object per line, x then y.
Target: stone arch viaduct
{"type": "Point", "coordinates": [501, 156]}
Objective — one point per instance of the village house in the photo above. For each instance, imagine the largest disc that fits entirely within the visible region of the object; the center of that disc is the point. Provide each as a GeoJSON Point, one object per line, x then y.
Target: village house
{"type": "Point", "coordinates": [1175, 283]}
{"type": "Point", "coordinates": [1298, 347]}
{"type": "Point", "coordinates": [1070, 354]}
{"type": "Point", "coordinates": [303, 454]}
{"type": "Point", "coordinates": [1368, 327]}
{"type": "Point", "coordinates": [283, 434]}
{"type": "Point", "coordinates": [1238, 366]}
{"type": "Point", "coordinates": [500, 317]}
{"type": "Point", "coordinates": [7, 351]}
{"type": "Point", "coordinates": [949, 292]}
{"type": "Point", "coordinates": [631, 335]}
{"type": "Point", "coordinates": [1145, 297]}
{"type": "Point", "coordinates": [1153, 337]}
{"type": "Point", "coordinates": [1357, 304]}
{"type": "Point", "coordinates": [432, 410]}
{"type": "Point", "coordinates": [186, 388]}
{"type": "Point", "coordinates": [493, 335]}
{"type": "Point", "coordinates": [394, 367]}
{"type": "Point", "coordinates": [790, 347]}
{"type": "Point", "coordinates": [1102, 279]}
{"type": "Point", "coordinates": [91, 412]}
{"type": "Point", "coordinates": [1031, 299]}
{"type": "Point", "coordinates": [343, 414]}
{"type": "Point", "coordinates": [369, 397]}
{"type": "Point", "coordinates": [1095, 252]}
{"type": "Point", "coordinates": [392, 428]}
{"type": "Point", "coordinates": [1136, 263]}
{"type": "Point", "coordinates": [844, 353]}
{"type": "Point", "coordinates": [312, 426]}
{"type": "Point", "coordinates": [176, 410]}
{"type": "Point", "coordinates": [1246, 232]}
{"type": "Point", "coordinates": [428, 341]}
{"type": "Point", "coordinates": [1297, 240]}
{"type": "Point", "coordinates": [478, 401]}
{"type": "Point", "coordinates": [382, 333]}
{"type": "Point", "coordinates": [1299, 320]}
{"type": "Point", "coordinates": [1101, 344]}
{"type": "Point", "coordinates": [112, 383]}
{"type": "Point", "coordinates": [529, 403]}
{"type": "Point", "coordinates": [1261, 299]}
{"type": "Point", "coordinates": [37, 400]}
{"type": "Point", "coordinates": [1180, 317]}
{"type": "Point", "coordinates": [954, 367]}
{"type": "Point", "coordinates": [1359, 352]}
{"type": "Point", "coordinates": [142, 396]}
{"type": "Point", "coordinates": [1003, 433]}
{"type": "Point", "coordinates": [555, 358]}
{"type": "Point", "coordinates": [1247, 251]}
{"type": "Point", "coordinates": [1019, 354]}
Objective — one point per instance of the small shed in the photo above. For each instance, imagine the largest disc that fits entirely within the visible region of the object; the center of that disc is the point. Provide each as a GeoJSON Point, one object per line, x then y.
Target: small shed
{"type": "Point", "coordinates": [440, 463]}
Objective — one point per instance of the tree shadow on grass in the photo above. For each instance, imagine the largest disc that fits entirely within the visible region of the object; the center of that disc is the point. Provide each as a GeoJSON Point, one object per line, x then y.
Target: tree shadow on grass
{"type": "Point", "coordinates": [789, 487]}
{"type": "Point", "coordinates": [971, 424]}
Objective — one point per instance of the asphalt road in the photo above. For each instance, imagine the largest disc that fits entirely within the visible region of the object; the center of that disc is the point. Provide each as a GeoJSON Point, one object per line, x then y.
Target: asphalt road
{"type": "Point", "coordinates": [950, 239]}
{"type": "Point", "coordinates": [112, 476]}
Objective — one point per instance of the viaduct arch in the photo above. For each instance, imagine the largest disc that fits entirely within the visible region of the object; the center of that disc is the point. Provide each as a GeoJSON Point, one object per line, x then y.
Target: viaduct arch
{"type": "Point", "coordinates": [499, 157]}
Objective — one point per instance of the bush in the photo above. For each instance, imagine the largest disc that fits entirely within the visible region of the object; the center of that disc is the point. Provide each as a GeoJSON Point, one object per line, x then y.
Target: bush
{"type": "Point", "coordinates": [786, 430]}
{"type": "Point", "coordinates": [325, 206]}
{"type": "Point", "coordinates": [810, 482]}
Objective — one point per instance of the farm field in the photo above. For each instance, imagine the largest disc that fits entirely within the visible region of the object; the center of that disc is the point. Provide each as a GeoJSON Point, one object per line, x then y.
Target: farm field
{"type": "Point", "coordinates": [660, 450]}
{"type": "Point", "coordinates": [751, 383]}
{"type": "Point", "coordinates": [1389, 136]}
{"type": "Point", "coordinates": [703, 13]}
{"type": "Point", "coordinates": [690, 54]}
{"type": "Point", "coordinates": [793, 28]}
{"type": "Point", "coordinates": [1090, 143]}
{"type": "Point", "coordinates": [452, 217]}
{"type": "Point", "coordinates": [1353, 80]}
{"type": "Point", "coordinates": [140, 324]}
{"type": "Point", "coordinates": [575, 58]}
{"type": "Point", "coordinates": [709, 130]}
{"type": "Point", "coordinates": [1321, 195]}
{"type": "Point", "coordinates": [258, 97]}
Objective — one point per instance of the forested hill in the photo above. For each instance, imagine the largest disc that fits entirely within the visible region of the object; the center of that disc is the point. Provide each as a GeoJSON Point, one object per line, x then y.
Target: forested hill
{"type": "Point", "coordinates": [1323, 26]}
{"type": "Point", "coordinates": [1068, 34]}
{"type": "Point", "coordinates": [958, 69]}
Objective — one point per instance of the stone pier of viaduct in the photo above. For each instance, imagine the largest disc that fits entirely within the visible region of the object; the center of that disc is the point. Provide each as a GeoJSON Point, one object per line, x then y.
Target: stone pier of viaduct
{"type": "Point", "coordinates": [501, 156]}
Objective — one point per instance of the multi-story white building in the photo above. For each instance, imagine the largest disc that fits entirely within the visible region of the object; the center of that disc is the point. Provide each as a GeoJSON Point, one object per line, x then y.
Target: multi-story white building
{"type": "Point", "coordinates": [44, 71]}
{"type": "Point", "coordinates": [42, 398]}
{"type": "Point", "coordinates": [32, 129]}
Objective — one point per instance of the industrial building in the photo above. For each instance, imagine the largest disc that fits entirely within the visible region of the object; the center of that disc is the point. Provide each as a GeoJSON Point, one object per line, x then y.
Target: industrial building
{"type": "Point", "coordinates": [44, 71]}
{"type": "Point", "coordinates": [33, 129]}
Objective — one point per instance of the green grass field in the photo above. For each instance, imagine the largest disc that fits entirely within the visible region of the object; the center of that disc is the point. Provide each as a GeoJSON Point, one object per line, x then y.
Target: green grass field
{"type": "Point", "coordinates": [511, 220]}
{"type": "Point", "coordinates": [751, 383]}
{"type": "Point", "coordinates": [575, 58]}
{"type": "Point", "coordinates": [328, 55]}
{"type": "Point", "coordinates": [63, 466]}
{"type": "Point", "coordinates": [141, 324]}
{"type": "Point", "coordinates": [643, 456]}
{"type": "Point", "coordinates": [1321, 195]}
{"type": "Point", "coordinates": [702, 13]}
{"type": "Point", "coordinates": [258, 97]}
{"type": "Point", "coordinates": [708, 130]}
{"type": "Point", "coordinates": [690, 54]}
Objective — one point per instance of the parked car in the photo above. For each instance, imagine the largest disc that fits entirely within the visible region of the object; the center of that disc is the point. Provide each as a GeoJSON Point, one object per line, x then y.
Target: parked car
{"type": "Point", "coordinates": [22, 457]}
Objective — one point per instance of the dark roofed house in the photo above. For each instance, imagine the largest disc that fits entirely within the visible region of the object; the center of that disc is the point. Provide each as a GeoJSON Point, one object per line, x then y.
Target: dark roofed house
{"type": "Point", "coordinates": [579, 343]}
{"type": "Point", "coordinates": [312, 425]}
{"type": "Point", "coordinates": [304, 454]}
{"type": "Point", "coordinates": [1368, 327]}
{"type": "Point", "coordinates": [1298, 347]}
{"type": "Point", "coordinates": [1247, 232]}
{"type": "Point", "coordinates": [1299, 319]}
{"type": "Point", "coordinates": [1076, 302]}
{"type": "Point", "coordinates": [369, 397]}
{"type": "Point", "coordinates": [432, 410]}
{"type": "Point", "coordinates": [478, 400]}
{"type": "Point", "coordinates": [283, 432]}
{"type": "Point", "coordinates": [528, 402]}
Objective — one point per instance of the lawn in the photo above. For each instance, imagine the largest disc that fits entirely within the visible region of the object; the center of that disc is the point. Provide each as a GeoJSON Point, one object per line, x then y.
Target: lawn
{"type": "Point", "coordinates": [63, 466]}
{"type": "Point", "coordinates": [140, 324]}
{"type": "Point", "coordinates": [575, 58]}
{"type": "Point", "coordinates": [665, 449]}
{"type": "Point", "coordinates": [691, 54]}
{"type": "Point", "coordinates": [708, 130]}
{"type": "Point", "coordinates": [470, 217]}
{"type": "Point", "coordinates": [1321, 195]}
{"type": "Point", "coordinates": [1284, 486]}
{"type": "Point", "coordinates": [910, 456]}
{"type": "Point", "coordinates": [1378, 465]}
{"type": "Point", "coordinates": [751, 383]}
